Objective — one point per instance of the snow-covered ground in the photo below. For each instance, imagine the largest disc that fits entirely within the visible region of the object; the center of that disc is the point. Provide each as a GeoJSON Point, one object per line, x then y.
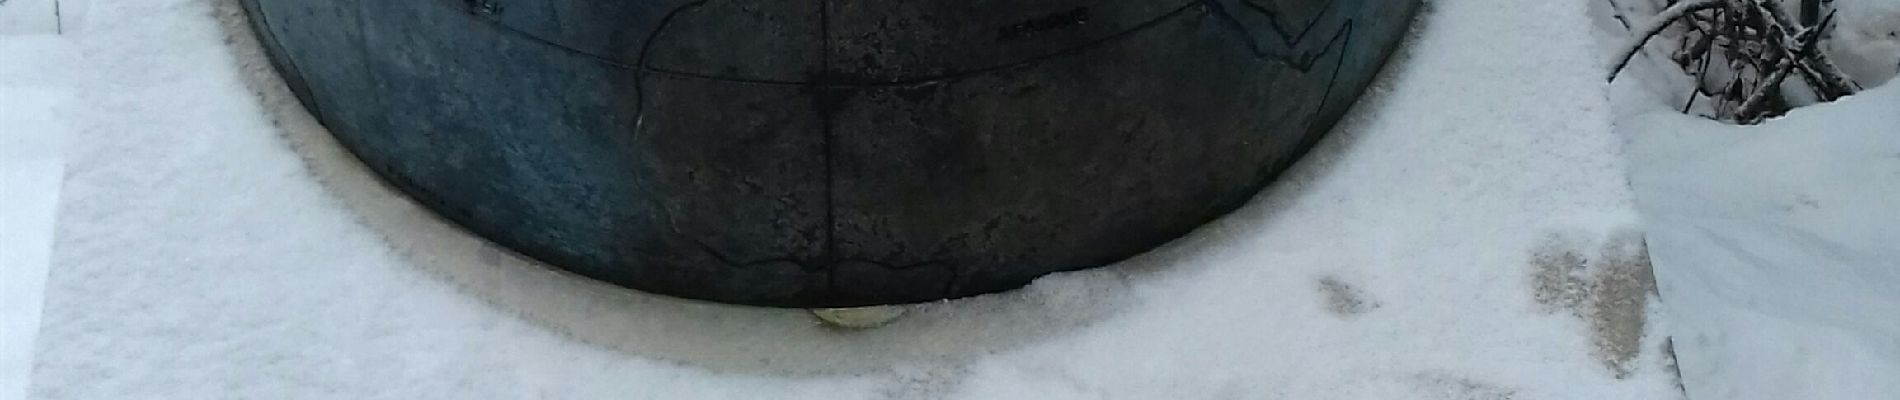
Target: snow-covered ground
{"type": "Point", "coordinates": [1777, 248]}
{"type": "Point", "coordinates": [1468, 233]}
{"type": "Point", "coordinates": [20, 17]}
{"type": "Point", "coordinates": [1866, 44]}
{"type": "Point", "coordinates": [33, 100]}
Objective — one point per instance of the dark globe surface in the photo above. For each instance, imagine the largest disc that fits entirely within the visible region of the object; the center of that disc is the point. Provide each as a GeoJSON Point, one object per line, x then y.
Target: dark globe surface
{"type": "Point", "coordinates": [823, 153]}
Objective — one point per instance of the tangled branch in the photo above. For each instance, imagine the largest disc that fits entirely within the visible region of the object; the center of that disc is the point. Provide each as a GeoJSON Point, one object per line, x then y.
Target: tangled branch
{"type": "Point", "coordinates": [1663, 20]}
{"type": "Point", "coordinates": [1759, 44]}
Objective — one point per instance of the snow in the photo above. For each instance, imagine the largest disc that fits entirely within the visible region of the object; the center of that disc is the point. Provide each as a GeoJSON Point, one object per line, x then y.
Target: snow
{"type": "Point", "coordinates": [1775, 247]}
{"type": "Point", "coordinates": [1468, 233]}
{"type": "Point", "coordinates": [29, 17]}
{"type": "Point", "coordinates": [31, 166]}
{"type": "Point", "coordinates": [1866, 41]}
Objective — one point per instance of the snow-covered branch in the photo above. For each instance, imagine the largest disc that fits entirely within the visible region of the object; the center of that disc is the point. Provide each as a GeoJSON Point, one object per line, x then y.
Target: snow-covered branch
{"type": "Point", "coordinates": [1815, 65]}
{"type": "Point", "coordinates": [1751, 110]}
{"type": "Point", "coordinates": [1646, 31]}
{"type": "Point", "coordinates": [1754, 46]}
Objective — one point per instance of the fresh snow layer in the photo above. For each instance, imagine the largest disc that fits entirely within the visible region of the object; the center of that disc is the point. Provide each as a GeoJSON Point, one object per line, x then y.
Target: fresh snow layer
{"type": "Point", "coordinates": [19, 17]}
{"type": "Point", "coordinates": [1777, 247]}
{"type": "Point", "coordinates": [1466, 234]}
{"type": "Point", "coordinates": [1865, 41]}
{"type": "Point", "coordinates": [33, 98]}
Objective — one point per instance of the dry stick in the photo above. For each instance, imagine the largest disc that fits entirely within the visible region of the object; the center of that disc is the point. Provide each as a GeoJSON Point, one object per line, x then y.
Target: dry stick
{"type": "Point", "coordinates": [1705, 27]}
{"type": "Point", "coordinates": [1810, 41]}
{"type": "Point", "coordinates": [1825, 63]}
{"type": "Point", "coordinates": [1817, 67]}
{"type": "Point", "coordinates": [1733, 92]}
{"type": "Point", "coordinates": [1615, 12]}
{"type": "Point", "coordinates": [1691, 53]}
{"type": "Point", "coordinates": [1750, 111]}
{"type": "Point", "coordinates": [1663, 19]}
{"type": "Point", "coordinates": [1701, 47]}
{"type": "Point", "coordinates": [1707, 57]}
{"type": "Point", "coordinates": [1802, 44]}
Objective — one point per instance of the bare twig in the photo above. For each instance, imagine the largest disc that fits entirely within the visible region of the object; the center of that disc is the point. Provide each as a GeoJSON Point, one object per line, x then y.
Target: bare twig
{"type": "Point", "coordinates": [1663, 20]}
{"type": "Point", "coordinates": [1751, 47]}
{"type": "Point", "coordinates": [1750, 110]}
{"type": "Point", "coordinates": [1816, 66]}
{"type": "Point", "coordinates": [1808, 42]}
{"type": "Point", "coordinates": [1701, 46]}
{"type": "Point", "coordinates": [1616, 11]}
{"type": "Point", "coordinates": [1707, 57]}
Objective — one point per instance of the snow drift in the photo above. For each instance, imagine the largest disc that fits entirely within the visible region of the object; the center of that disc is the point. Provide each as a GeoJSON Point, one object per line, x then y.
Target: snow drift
{"type": "Point", "coordinates": [1777, 247]}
